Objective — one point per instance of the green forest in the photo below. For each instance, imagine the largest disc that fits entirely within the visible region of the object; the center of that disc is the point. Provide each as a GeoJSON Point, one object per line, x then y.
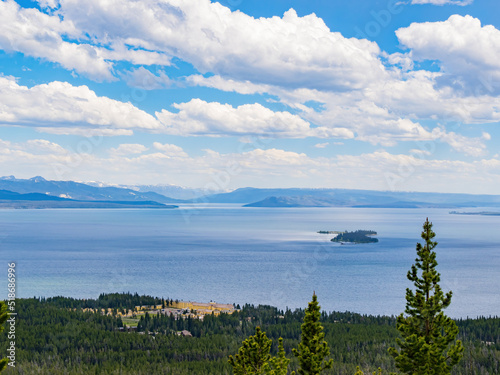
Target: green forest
{"type": "Point", "coordinates": [53, 339]}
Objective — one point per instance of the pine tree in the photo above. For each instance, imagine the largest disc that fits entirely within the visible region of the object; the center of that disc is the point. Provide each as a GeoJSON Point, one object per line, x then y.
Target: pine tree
{"type": "Point", "coordinates": [3, 319]}
{"type": "Point", "coordinates": [427, 346]}
{"type": "Point", "coordinates": [253, 358]}
{"type": "Point", "coordinates": [313, 349]}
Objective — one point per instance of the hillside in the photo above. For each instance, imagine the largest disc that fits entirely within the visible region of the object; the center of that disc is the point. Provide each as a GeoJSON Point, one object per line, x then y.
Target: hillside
{"type": "Point", "coordinates": [10, 199]}
{"type": "Point", "coordinates": [253, 197]}
{"type": "Point", "coordinates": [79, 191]}
{"type": "Point", "coordinates": [61, 338]}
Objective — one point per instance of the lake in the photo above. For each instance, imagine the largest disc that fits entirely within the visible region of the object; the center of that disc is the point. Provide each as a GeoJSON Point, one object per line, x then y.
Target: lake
{"type": "Point", "coordinates": [231, 254]}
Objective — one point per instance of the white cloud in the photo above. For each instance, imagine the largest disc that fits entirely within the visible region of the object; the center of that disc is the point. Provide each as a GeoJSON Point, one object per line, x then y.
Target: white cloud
{"type": "Point", "coordinates": [60, 108]}
{"type": "Point", "coordinates": [321, 145]}
{"type": "Point", "coordinates": [44, 146]}
{"type": "Point", "coordinates": [228, 85]}
{"type": "Point", "coordinates": [47, 3]}
{"type": "Point", "coordinates": [198, 117]}
{"type": "Point", "coordinates": [403, 60]}
{"type": "Point", "coordinates": [56, 39]}
{"type": "Point", "coordinates": [143, 79]}
{"type": "Point", "coordinates": [290, 51]}
{"type": "Point", "coordinates": [486, 136]}
{"type": "Point", "coordinates": [128, 149]}
{"type": "Point", "coordinates": [469, 146]}
{"type": "Point", "coordinates": [274, 158]}
{"type": "Point", "coordinates": [443, 2]}
{"type": "Point", "coordinates": [418, 97]}
{"type": "Point", "coordinates": [386, 114]}
{"type": "Point", "coordinates": [416, 151]}
{"type": "Point", "coordinates": [60, 104]}
{"type": "Point", "coordinates": [40, 35]}
{"type": "Point", "coordinates": [256, 167]}
{"type": "Point", "coordinates": [170, 150]}
{"type": "Point", "coordinates": [295, 59]}
{"type": "Point", "coordinates": [120, 52]}
{"type": "Point", "coordinates": [469, 53]}
{"type": "Point", "coordinates": [30, 154]}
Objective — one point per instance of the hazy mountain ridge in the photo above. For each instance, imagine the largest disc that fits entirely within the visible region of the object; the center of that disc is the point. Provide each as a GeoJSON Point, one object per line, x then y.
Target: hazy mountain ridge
{"type": "Point", "coordinates": [252, 197]}
{"type": "Point", "coordinates": [79, 191]}
{"type": "Point", "coordinates": [11, 195]}
{"type": "Point", "coordinates": [168, 190]}
{"type": "Point", "coordinates": [10, 199]}
{"type": "Point", "coordinates": [248, 197]}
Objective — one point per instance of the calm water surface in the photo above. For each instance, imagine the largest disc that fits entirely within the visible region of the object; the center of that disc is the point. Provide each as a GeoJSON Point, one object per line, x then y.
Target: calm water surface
{"type": "Point", "coordinates": [231, 254]}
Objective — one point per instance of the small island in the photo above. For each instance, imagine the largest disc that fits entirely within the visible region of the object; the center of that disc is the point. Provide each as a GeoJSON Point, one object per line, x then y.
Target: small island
{"type": "Point", "coordinates": [358, 236]}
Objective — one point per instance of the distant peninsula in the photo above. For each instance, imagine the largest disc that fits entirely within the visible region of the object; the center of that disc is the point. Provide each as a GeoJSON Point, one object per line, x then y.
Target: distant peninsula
{"type": "Point", "coordinates": [10, 199]}
{"type": "Point", "coordinates": [482, 213]}
{"type": "Point", "coordinates": [358, 236]}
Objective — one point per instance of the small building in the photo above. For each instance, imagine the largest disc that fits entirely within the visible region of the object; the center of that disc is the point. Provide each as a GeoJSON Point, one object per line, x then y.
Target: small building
{"type": "Point", "coordinates": [184, 333]}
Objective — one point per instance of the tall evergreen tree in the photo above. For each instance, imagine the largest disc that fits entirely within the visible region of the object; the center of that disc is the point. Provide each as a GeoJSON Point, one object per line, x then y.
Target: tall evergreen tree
{"type": "Point", "coordinates": [428, 344]}
{"type": "Point", "coordinates": [3, 319]}
{"type": "Point", "coordinates": [253, 358]}
{"type": "Point", "coordinates": [313, 349]}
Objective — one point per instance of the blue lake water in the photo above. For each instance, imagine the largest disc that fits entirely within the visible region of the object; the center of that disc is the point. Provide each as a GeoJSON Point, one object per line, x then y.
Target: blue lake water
{"type": "Point", "coordinates": [231, 254]}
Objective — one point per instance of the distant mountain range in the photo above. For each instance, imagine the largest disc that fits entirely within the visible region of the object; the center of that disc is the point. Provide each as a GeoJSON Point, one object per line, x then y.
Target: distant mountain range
{"type": "Point", "coordinates": [172, 191]}
{"type": "Point", "coordinates": [252, 197]}
{"type": "Point", "coordinates": [37, 192]}
{"type": "Point", "coordinates": [79, 191]}
{"type": "Point", "coordinates": [72, 194]}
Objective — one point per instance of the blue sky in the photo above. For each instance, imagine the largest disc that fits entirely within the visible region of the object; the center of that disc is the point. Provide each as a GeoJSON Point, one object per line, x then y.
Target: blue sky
{"type": "Point", "coordinates": [385, 95]}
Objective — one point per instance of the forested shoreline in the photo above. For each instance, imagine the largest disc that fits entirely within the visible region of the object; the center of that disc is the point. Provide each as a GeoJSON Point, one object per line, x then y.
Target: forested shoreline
{"type": "Point", "coordinates": [55, 336]}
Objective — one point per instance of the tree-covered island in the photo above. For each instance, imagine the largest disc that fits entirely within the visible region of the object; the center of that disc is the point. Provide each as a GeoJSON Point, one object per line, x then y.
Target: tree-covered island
{"type": "Point", "coordinates": [358, 236]}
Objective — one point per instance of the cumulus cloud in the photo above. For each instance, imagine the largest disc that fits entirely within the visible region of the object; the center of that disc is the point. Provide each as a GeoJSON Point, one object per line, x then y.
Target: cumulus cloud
{"type": "Point", "coordinates": [358, 91]}
{"type": "Point", "coordinates": [228, 85]}
{"type": "Point", "coordinates": [40, 35]}
{"type": "Point", "coordinates": [417, 96]}
{"type": "Point", "coordinates": [290, 51]}
{"type": "Point", "coordinates": [42, 146]}
{"type": "Point", "coordinates": [16, 156]}
{"type": "Point", "coordinates": [143, 79]}
{"type": "Point", "coordinates": [380, 170]}
{"type": "Point", "coordinates": [62, 104]}
{"type": "Point", "coordinates": [56, 39]}
{"type": "Point", "coordinates": [60, 108]}
{"type": "Point", "coordinates": [170, 150]}
{"type": "Point", "coordinates": [403, 60]}
{"type": "Point", "coordinates": [386, 114]}
{"type": "Point", "coordinates": [321, 145]}
{"type": "Point", "coordinates": [469, 146]}
{"type": "Point", "coordinates": [469, 54]}
{"type": "Point", "coordinates": [417, 151]}
{"type": "Point", "coordinates": [128, 149]}
{"type": "Point", "coordinates": [198, 117]}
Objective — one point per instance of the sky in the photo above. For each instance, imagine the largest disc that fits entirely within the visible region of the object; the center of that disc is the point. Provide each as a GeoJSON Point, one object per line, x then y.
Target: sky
{"type": "Point", "coordinates": [399, 95]}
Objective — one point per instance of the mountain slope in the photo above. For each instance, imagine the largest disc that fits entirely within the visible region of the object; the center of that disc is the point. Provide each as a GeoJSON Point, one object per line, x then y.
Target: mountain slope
{"type": "Point", "coordinates": [253, 197]}
{"type": "Point", "coordinates": [79, 191]}
{"type": "Point", "coordinates": [10, 199]}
